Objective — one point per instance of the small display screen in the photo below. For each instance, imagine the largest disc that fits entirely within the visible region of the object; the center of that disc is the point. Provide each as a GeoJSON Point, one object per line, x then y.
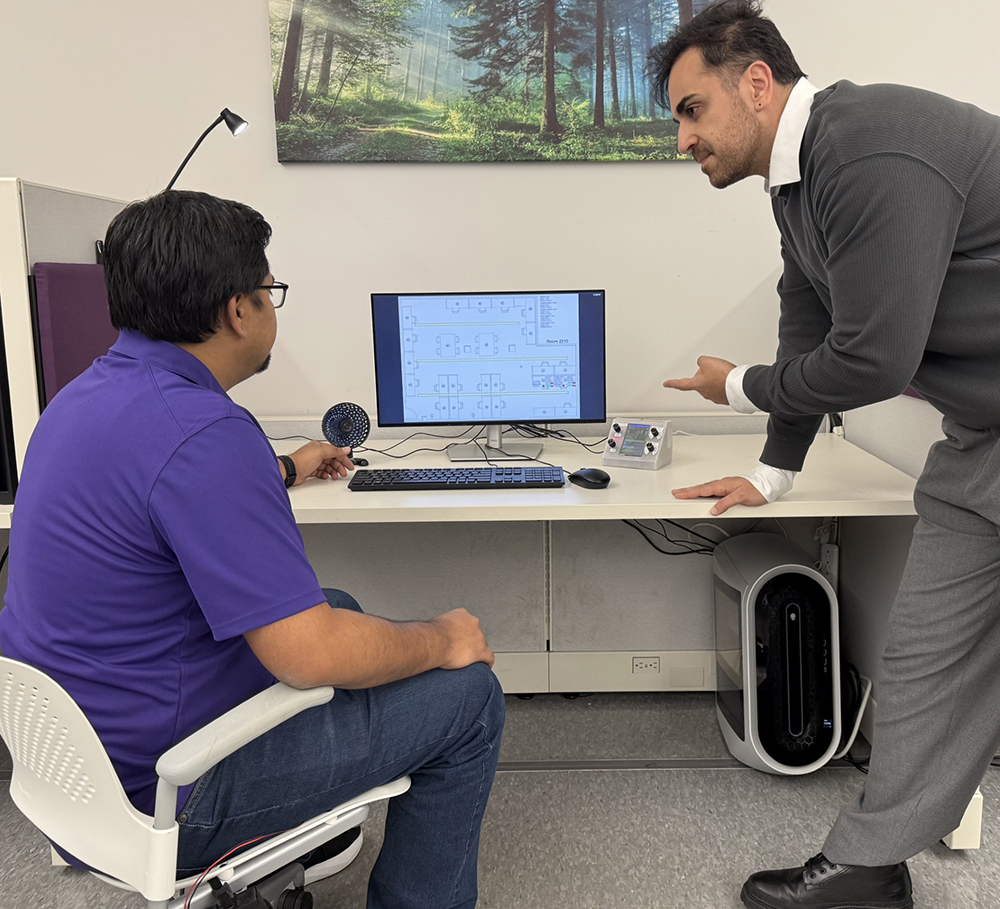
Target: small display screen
{"type": "Point", "coordinates": [634, 442]}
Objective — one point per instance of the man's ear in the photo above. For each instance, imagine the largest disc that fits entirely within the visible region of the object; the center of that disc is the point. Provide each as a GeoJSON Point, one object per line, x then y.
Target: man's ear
{"type": "Point", "coordinates": [759, 82]}
{"type": "Point", "coordinates": [232, 315]}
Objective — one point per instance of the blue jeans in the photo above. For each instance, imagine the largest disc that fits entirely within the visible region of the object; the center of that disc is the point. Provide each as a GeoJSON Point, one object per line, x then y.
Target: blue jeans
{"type": "Point", "coordinates": [442, 728]}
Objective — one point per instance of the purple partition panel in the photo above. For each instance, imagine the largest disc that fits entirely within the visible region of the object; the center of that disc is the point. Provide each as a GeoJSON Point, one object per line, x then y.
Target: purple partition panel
{"type": "Point", "coordinates": [74, 326]}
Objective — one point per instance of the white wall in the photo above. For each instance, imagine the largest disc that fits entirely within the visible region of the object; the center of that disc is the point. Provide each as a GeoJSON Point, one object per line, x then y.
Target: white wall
{"type": "Point", "coordinates": [106, 97]}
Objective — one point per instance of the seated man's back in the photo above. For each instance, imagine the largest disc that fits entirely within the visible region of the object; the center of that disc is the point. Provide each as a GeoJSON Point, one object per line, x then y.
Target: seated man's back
{"type": "Point", "coordinates": [152, 531]}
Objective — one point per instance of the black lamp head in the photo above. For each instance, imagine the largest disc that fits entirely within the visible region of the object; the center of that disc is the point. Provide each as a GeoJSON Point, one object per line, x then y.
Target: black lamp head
{"type": "Point", "coordinates": [236, 125]}
{"type": "Point", "coordinates": [235, 122]}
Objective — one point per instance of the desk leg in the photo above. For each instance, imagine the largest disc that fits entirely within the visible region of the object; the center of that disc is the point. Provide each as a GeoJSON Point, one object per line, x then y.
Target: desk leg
{"type": "Point", "coordinates": [968, 834]}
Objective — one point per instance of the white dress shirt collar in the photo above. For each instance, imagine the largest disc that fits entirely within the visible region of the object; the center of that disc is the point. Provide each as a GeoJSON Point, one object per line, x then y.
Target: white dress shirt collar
{"type": "Point", "coordinates": [784, 168]}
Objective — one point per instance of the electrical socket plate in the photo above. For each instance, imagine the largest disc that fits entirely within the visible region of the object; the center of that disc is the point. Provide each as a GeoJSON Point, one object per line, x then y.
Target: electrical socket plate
{"type": "Point", "coordinates": [645, 664]}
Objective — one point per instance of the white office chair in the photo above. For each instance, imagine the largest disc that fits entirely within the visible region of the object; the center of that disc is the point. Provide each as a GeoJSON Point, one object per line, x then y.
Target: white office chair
{"type": "Point", "coordinates": [65, 784]}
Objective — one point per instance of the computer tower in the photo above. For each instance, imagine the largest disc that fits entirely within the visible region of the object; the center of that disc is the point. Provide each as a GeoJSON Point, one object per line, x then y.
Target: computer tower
{"type": "Point", "coordinates": [777, 655]}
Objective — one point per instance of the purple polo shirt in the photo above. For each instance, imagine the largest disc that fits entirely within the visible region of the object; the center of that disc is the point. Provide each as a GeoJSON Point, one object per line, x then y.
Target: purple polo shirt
{"type": "Point", "coordinates": [151, 530]}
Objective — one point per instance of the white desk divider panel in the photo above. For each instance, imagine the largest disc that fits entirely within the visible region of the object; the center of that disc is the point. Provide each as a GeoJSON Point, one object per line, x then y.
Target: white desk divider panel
{"type": "Point", "coordinates": [38, 224]}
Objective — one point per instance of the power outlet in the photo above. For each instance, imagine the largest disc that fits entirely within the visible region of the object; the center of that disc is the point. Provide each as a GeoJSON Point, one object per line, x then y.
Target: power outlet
{"type": "Point", "coordinates": [829, 563]}
{"type": "Point", "coordinates": [645, 664]}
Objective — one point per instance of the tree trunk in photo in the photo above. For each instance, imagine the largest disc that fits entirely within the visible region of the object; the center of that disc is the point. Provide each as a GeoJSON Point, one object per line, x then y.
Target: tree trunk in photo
{"type": "Point", "coordinates": [631, 68]}
{"type": "Point", "coordinates": [406, 78]}
{"type": "Point", "coordinates": [448, 57]}
{"type": "Point", "coordinates": [526, 96]}
{"type": "Point", "coordinates": [304, 94]}
{"type": "Point", "coordinates": [423, 51]}
{"type": "Point", "coordinates": [616, 108]}
{"type": "Point", "coordinates": [437, 59]}
{"type": "Point", "coordinates": [323, 83]}
{"type": "Point", "coordinates": [647, 26]}
{"type": "Point", "coordinates": [685, 9]}
{"type": "Point", "coordinates": [599, 67]}
{"type": "Point", "coordinates": [289, 60]}
{"type": "Point", "coordinates": [550, 122]}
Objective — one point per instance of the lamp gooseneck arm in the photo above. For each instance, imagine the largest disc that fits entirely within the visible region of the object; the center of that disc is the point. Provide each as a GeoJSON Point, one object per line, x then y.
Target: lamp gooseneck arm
{"type": "Point", "coordinates": [190, 153]}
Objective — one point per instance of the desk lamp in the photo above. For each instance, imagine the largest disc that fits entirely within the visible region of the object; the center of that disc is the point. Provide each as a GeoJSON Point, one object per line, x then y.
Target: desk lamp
{"type": "Point", "coordinates": [236, 125]}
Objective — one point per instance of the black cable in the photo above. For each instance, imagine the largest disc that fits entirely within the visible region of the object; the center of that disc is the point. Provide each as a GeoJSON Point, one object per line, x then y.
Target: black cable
{"type": "Point", "coordinates": [288, 438]}
{"type": "Point", "coordinates": [3, 558]}
{"type": "Point", "coordinates": [662, 532]}
{"type": "Point", "coordinates": [859, 765]}
{"type": "Point", "coordinates": [534, 431]}
{"type": "Point", "coordinates": [386, 451]}
{"type": "Point", "coordinates": [692, 532]}
{"type": "Point", "coordinates": [434, 435]}
{"type": "Point", "coordinates": [850, 705]}
{"type": "Point", "coordinates": [638, 528]}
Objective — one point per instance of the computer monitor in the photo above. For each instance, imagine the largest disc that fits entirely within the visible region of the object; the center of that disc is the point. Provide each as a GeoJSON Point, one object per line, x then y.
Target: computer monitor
{"type": "Point", "coordinates": [445, 359]}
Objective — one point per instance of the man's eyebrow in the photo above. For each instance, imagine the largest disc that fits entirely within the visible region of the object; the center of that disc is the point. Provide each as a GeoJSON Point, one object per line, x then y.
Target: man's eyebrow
{"type": "Point", "coordinates": [681, 105]}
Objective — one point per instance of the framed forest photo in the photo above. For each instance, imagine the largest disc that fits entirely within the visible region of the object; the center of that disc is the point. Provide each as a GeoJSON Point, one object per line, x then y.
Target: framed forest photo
{"type": "Point", "coordinates": [470, 80]}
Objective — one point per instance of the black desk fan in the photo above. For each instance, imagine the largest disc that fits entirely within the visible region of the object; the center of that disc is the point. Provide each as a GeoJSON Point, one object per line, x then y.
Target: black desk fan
{"type": "Point", "coordinates": [347, 425]}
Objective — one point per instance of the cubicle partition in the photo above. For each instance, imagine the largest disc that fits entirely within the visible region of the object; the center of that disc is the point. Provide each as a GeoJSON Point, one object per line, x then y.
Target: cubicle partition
{"type": "Point", "coordinates": [48, 225]}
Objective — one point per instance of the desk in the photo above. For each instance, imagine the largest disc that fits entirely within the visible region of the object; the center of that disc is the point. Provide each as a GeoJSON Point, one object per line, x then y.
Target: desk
{"type": "Point", "coordinates": [553, 612]}
{"type": "Point", "coordinates": [839, 479]}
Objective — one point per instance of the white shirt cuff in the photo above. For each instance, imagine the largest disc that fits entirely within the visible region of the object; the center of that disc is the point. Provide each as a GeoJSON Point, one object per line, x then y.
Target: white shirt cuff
{"type": "Point", "coordinates": [771, 482]}
{"type": "Point", "coordinates": [734, 391]}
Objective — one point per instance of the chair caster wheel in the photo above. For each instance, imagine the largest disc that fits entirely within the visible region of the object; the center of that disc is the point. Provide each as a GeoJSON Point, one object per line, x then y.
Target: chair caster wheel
{"type": "Point", "coordinates": [295, 899]}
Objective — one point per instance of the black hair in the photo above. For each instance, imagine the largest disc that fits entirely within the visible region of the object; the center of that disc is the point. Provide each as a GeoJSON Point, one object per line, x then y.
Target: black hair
{"type": "Point", "coordinates": [731, 35]}
{"type": "Point", "coordinates": [173, 261]}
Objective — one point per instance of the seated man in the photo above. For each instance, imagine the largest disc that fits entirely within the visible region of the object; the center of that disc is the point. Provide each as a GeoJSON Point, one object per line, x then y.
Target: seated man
{"type": "Point", "coordinates": [157, 573]}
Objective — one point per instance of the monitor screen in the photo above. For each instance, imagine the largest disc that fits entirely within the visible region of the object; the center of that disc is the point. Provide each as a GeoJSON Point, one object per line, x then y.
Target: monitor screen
{"type": "Point", "coordinates": [508, 357]}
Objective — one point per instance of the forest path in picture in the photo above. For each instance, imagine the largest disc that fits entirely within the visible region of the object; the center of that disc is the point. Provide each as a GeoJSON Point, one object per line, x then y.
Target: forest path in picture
{"type": "Point", "coordinates": [447, 80]}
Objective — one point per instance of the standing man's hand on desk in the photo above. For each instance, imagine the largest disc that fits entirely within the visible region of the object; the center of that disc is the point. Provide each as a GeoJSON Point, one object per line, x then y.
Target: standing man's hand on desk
{"type": "Point", "coordinates": [731, 490]}
{"type": "Point", "coordinates": [321, 460]}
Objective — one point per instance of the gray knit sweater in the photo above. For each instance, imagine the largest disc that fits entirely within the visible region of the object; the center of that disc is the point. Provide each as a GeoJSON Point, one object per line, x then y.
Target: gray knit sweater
{"type": "Point", "coordinates": [891, 248]}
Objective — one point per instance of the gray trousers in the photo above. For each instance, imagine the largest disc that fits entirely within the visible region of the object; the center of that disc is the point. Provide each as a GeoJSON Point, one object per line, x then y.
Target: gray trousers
{"type": "Point", "coordinates": [938, 721]}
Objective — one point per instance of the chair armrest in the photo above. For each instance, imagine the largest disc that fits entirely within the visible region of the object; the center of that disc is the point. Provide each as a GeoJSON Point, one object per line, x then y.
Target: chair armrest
{"type": "Point", "coordinates": [202, 750]}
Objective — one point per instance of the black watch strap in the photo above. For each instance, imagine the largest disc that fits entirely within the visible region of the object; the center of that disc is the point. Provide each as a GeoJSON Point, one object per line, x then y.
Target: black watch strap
{"type": "Point", "coordinates": [290, 473]}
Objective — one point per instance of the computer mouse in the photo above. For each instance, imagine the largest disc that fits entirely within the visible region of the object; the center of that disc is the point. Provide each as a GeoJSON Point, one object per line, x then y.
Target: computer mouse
{"type": "Point", "coordinates": [590, 478]}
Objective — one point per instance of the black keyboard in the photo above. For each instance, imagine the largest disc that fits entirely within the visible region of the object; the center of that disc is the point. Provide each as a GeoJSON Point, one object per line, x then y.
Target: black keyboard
{"type": "Point", "coordinates": [458, 478]}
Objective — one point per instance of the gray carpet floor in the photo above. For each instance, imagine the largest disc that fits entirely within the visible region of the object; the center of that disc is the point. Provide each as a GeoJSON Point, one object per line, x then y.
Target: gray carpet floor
{"type": "Point", "coordinates": [674, 836]}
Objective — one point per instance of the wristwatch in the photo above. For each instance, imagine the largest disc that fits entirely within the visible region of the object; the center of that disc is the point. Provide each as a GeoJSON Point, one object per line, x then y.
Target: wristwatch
{"type": "Point", "coordinates": [289, 470]}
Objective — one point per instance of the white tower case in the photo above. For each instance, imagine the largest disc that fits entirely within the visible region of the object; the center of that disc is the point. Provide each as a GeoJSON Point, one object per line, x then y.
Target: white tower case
{"type": "Point", "coordinates": [778, 655]}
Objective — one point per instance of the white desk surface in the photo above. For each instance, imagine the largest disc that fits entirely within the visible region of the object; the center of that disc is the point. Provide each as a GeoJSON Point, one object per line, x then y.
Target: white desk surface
{"type": "Point", "coordinates": [839, 479]}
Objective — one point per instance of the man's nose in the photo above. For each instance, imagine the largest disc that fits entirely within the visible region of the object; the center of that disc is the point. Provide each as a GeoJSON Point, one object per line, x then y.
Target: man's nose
{"type": "Point", "coordinates": [685, 139]}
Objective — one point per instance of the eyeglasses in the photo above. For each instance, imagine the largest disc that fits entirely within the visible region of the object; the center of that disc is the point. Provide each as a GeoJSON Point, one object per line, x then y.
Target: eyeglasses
{"type": "Point", "coordinates": [270, 288]}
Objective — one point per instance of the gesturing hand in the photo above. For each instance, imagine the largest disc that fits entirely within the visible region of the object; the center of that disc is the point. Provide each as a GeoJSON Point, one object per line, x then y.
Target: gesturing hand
{"type": "Point", "coordinates": [321, 460]}
{"type": "Point", "coordinates": [709, 381]}
{"type": "Point", "coordinates": [733, 491]}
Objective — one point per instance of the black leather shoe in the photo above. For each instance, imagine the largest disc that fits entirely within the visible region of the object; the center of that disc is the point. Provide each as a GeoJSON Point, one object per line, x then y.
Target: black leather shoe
{"type": "Point", "coordinates": [822, 884]}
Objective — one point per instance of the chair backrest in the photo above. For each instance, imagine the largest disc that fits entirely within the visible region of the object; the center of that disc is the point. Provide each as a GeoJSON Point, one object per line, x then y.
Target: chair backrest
{"type": "Point", "coordinates": [64, 783]}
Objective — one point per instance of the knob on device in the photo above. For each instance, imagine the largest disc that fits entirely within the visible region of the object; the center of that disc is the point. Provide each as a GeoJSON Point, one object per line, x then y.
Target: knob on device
{"type": "Point", "coordinates": [346, 425]}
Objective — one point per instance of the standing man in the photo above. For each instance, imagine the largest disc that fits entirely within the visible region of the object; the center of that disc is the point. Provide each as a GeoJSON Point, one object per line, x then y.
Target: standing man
{"type": "Point", "coordinates": [887, 200]}
{"type": "Point", "coordinates": [157, 573]}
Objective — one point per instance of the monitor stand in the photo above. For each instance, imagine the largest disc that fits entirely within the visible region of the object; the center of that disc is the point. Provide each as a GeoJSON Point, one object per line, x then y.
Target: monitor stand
{"type": "Point", "coordinates": [495, 449]}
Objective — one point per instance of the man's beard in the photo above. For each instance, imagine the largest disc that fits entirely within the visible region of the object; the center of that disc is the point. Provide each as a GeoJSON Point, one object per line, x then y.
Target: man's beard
{"type": "Point", "coordinates": [264, 365]}
{"type": "Point", "coordinates": [738, 163]}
